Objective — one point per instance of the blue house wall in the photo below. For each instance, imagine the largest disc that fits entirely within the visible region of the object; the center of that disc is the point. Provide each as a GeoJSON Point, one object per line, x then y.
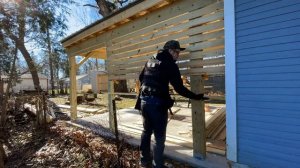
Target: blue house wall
{"type": "Point", "coordinates": [268, 82]}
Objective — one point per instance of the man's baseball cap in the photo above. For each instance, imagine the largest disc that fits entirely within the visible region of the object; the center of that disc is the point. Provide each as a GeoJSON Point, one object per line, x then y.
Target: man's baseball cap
{"type": "Point", "coordinates": [173, 44]}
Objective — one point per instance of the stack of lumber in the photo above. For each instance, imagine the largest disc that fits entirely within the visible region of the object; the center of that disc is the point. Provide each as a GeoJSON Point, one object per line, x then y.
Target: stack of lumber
{"type": "Point", "coordinates": [216, 125]}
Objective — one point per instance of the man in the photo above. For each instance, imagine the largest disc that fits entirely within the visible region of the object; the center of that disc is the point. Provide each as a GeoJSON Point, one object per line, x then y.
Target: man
{"type": "Point", "coordinates": [155, 100]}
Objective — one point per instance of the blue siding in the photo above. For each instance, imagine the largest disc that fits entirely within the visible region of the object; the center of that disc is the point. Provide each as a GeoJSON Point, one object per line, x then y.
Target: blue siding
{"type": "Point", "coordinates": [268, 82]}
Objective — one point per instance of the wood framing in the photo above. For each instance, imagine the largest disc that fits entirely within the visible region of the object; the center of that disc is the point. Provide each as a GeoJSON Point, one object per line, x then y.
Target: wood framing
{"type": "Point", "coordinates": [127, 39]}
{"type": "Point", "coordinates": [73, 90]}
{"type": "Point", "coordinates": [110, 21]}
{"type": "Point", "coordinates": [198, 117]}
{"type": "Point", "coordinates": [198, 26]}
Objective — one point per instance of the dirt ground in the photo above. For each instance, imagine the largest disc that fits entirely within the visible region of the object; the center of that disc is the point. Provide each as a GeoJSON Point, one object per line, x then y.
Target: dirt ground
{"type": "Point", "coordinates": [65, 146]}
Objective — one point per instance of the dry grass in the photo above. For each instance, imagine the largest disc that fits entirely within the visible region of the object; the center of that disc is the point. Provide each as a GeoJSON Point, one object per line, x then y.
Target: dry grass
{"type": "Point", "coordinates": [101, 101]}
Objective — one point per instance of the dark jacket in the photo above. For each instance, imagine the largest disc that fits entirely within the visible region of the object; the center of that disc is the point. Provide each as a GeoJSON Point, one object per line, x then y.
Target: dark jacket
{"type": "Point", "coordinates": [161, 70]}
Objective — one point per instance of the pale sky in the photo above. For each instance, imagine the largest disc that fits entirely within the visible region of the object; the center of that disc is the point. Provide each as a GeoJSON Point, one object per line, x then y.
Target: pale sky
{"type": "Point", "coordinates": [81, 16]}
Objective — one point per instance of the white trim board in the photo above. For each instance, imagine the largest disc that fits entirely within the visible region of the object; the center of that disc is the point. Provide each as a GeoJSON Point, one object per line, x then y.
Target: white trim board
{"type": "Point", "coordinates": [230, 80]}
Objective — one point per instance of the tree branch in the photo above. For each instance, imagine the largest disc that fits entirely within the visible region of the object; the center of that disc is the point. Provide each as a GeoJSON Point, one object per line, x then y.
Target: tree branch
{"type": "Point", "coordinates": [93, 6]}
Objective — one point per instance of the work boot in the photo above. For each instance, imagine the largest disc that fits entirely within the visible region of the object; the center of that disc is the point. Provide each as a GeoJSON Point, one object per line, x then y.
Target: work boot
{"type": "Point", "coordinates": [168, 165]}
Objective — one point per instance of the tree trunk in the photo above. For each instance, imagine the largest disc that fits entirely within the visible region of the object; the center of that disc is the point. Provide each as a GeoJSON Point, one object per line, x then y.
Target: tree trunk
{"type": "Point", "coordinates": [1, 89]}
{"type": "Point", "coordinates": [66, 89]}
{"type": "Point", "coordinates": [3, 110]}
{"type": "Point", "coordinates": [31, 66]}
{"type": "Point", "coordinates": [2, 152]}
{"type": "Point", "coordinates": [61, 87]}
{"type": "Point", "coordinates": [97, 65]}
{"type": "Point", "coordinates": [104, 9]}
{"type": "Point", "coordinates": [50, 63]}
{"type": "Point", "coordinates": [3, 157]}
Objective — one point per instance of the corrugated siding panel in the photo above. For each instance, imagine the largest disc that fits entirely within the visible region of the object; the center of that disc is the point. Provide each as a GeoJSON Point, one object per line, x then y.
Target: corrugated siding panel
{"type": "Point", "coordinates": [268, 82]}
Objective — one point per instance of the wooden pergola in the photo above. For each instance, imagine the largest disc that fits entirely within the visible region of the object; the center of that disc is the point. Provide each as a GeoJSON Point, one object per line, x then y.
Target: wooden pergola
{"type": "Point", "coordinates": [127, 38]}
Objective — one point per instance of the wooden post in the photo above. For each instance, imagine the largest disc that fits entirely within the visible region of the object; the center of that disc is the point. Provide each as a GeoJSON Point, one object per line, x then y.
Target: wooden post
{"type": "Point", "coordinates": [116, 131]}
{"type": "Point", "coordinates": [110, 103]}
{"type": "Point", "coordinates": [198, 120]}
{"type": "Point", "coordinates": [110, 88]}
{"type": "Point", "coordinates": [73, 89]}
{"type": "Point", "coordinates": [137, 86]}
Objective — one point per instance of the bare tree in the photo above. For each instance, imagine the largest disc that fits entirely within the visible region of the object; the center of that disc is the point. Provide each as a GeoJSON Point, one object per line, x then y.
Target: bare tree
{"type": "Point", "coordinates": [4, 96]}
{"type": "Point", "coordinates": [22, 22]}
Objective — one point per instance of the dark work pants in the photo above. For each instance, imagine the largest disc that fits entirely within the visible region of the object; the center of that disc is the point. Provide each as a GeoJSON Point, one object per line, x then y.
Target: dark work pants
{"type": "Point", "coordinates": [155, 117]}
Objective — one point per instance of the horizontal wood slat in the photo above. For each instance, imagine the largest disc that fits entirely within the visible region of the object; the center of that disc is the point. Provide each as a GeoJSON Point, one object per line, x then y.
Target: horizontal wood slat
{"type": "Point", "coordinates": [207, 62]}
{"type": "Point", "coordinates": [195, 71]}
{"type": "Point", "coordinates": [200, 30]}
{"type": "Point", "coordinates": [174, 14]}
{"type": "Point", "coordinates": [194, 39]}
{"type": "Point", "coordinates": [181, 27]}
{"type": "Point", "coordinates": [140, 61]}
{"type": "Point", "coordinates": [214, 26]}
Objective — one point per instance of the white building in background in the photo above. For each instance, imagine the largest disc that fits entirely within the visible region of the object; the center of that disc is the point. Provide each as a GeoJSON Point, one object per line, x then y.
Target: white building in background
{"type": "Point", "coordinates": [95, 80]}
{"type": "Point", "coordinates": [25, 82]}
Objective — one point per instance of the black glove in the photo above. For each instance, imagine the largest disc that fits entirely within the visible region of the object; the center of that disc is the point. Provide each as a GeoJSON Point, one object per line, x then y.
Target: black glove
{"type": "Point", "coordinates": [205, 98]}
{"type": "Point", "coordinates": [200, 97]}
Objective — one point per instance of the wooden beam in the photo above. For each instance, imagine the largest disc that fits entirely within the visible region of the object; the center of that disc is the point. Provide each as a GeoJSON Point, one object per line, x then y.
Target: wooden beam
{"type": "Point", "coordinates": [73, 90]}
{"type": "Point", "coordinates": [184, 38]}
{"type": "Point", "coordinates": [110, 103]}
{"type": "Point", "coordinates": [198, 119]}
{"type": "Point", "coordinates": [123, 93]}
{"type": "Point", "coordinates": [84, 59]}
{"type": "Point", "coordinates": [131, 62]}
{"type": "Point", "coordinates": [110, 95]}
{"type": "Point", "coordinates": [113, 20]}
{"type": "Point", "coordinates": [88, 45]}
{"type": "Point", "coordinates": [120, 32]}
{"type": "Point", "coordinates": [163, 33]}
{"type": "Point", "coordinates": [99, 54]}
{"type": "Point", "coordinates": [152, 21]}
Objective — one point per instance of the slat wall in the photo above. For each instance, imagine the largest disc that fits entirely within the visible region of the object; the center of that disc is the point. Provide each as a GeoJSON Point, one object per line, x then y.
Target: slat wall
{"type": "Point", "coordinates": [198, 25]}
{"type": "Point", "coordinates": [268, 82]}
